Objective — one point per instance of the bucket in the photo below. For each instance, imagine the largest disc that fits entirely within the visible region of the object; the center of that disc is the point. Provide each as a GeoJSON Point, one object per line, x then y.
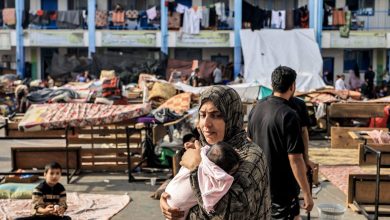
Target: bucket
{"type": "Point", "coordinates": [331, 211]}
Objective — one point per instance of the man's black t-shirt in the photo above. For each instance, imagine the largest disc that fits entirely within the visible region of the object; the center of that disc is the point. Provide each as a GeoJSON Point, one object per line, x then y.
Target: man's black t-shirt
{"type": "Point", "coordinates": [369, 75]}
{"type": "Point", "coordinates": [300, 107]}
{"type": "Point", "coordinates": [275, 127]}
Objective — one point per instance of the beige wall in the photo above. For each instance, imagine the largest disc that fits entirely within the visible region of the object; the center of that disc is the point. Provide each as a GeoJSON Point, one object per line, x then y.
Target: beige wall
{"type": "Point", "coordinates": [338, 55]}
{"type": "Point", "coordinates": [12, 54]}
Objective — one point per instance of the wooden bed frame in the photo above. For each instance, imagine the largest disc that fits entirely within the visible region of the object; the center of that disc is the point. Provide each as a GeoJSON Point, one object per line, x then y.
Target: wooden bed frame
{"type": "Point", "coordinates": [341, 138]}
{"type": "Point", "coordinates": [361, 194]}
{"type": "Point", "coordinates": [34, 159]}
{"type": "Point", "coordinates": [353, 110]}
{"type": "Point", "coordinates": [369, 159]}
{"type": "Point", "coordinates": [11, 131]}
{"type": "Point", "coordinates": [107, 148]}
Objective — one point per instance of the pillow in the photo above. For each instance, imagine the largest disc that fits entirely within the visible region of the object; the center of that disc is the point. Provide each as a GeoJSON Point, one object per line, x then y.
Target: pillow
{"type": "Point", "coordinates": [162, 90]}
{"type": "Point", "coordinates": [17, 190]}
{"type": "Point", "coordinates": [178, 103]}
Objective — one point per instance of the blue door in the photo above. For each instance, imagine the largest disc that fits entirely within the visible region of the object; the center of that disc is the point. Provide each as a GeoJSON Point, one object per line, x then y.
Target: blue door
{"type": "Point", "coordinates": [50, 5]}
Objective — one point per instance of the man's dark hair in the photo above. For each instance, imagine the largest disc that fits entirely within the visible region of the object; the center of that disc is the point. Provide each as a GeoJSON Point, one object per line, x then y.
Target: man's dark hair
{"type": "Point", "coordinates": [52, 165]}
{"type": "Point", "coordinates": [283, 78]}
{"type": "Point", "coordinates": [224, 156]}
{"type": "Point", "coordinates": [197, 70]}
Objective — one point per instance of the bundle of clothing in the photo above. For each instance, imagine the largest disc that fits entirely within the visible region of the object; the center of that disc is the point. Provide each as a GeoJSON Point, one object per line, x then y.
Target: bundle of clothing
{"type": "Point", "coordinates": [379, 137]}
{"type": "Point", "coordinates": [71, 19]}
{"type": "Point", "coordinates": [193, 19]}
{"type": "Point", "coordinates": [128, 19]}
{"type": "Point", "coordinates": [256, 18]}
{"type": "Point", "coordinates": [8, 16]}
{"type": "Point", "coordinates": [49, 95]}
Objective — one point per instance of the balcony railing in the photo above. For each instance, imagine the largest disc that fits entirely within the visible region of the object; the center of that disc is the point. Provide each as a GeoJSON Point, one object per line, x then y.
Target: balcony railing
{"type": "Point", "coordinates": [372, 20]}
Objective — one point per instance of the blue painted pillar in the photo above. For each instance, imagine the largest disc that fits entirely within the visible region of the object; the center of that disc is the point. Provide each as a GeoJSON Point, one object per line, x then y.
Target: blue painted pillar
{"type": "Point", "coordinates": [91, 28]}
{"type": "Point", "coordinates": [315, 18]}
{"type": "Point", "coordinates": [164, 27]}
{"type": "Point", "coordinates": [19, 39]}
{"type": "Point", "coordinates": [237, 38]}
{"type": "Point", "coordinates": [312, 14]}
{"type": "Point", "coordinates": [320, 18]}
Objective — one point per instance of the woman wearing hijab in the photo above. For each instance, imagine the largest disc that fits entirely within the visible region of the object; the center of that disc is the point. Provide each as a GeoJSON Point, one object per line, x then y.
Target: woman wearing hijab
{"type": "Point", "coordinates": [221, 118]}
{"type": "Point", "coordinates": [354, 81]}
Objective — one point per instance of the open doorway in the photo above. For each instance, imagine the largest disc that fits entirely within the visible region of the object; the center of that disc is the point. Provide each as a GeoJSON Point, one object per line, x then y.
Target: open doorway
{"type": "Point", "coordinates": [328, 70]}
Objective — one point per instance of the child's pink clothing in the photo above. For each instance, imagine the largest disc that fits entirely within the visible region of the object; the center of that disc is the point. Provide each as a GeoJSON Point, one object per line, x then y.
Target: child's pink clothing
{"type": "Point", "coordinates": [214, 183]}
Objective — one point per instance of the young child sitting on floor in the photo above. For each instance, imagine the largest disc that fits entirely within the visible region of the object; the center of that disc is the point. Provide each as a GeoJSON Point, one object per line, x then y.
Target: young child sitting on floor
{"type": "Point", "coordinates": [49, 197]}
{"type": "Point", "coordinates": [219, 162]}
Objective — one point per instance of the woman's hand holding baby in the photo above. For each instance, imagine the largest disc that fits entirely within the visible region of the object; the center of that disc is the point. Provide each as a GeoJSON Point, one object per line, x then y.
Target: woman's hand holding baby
{"type": "Point", "coordinates": [191, 158]}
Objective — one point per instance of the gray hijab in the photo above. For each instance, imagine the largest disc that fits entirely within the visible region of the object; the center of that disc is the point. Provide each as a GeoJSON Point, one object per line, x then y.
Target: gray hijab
{"type": "Point", "coordinates": [228, 102]}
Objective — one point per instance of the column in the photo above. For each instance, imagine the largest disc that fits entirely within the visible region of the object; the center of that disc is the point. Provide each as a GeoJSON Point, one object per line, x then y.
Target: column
{"type": "Point", "coordinates": [91, 28]}
{"type": "Point", "coordinates": [19, 39]}
{"type": "Point", "coordinates": [315, 18]}
{"type": "Point", "coordinates": [237, 39]}
{"type": "Point", "coordinates": [320, 18]}
{"type": "Point", "coordinates": [164, 27]}
{"type": "Point", "coordinates": [312, 14]}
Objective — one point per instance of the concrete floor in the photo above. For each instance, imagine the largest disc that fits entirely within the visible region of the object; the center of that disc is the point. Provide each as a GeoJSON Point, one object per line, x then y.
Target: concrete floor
{"type": "Point", "coordinates": [142, 206]}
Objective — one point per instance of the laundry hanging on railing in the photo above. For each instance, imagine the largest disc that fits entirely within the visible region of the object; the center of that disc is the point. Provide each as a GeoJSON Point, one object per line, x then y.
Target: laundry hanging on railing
{"type": "Point", "coordinates": [216, 15]}
{"type": "Point", "coordinates": [70, 19]}
{"type": "Point", "coordinates": [256, 18]}
{"type": "Point", "coordinates": [9, 16]}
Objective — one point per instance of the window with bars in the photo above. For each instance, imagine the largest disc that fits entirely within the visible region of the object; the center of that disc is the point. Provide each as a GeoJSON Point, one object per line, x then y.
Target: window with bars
{"type": "Point", "coordinates": [362, 7]}
{"type": "Point", "coordinates": [362, 57]}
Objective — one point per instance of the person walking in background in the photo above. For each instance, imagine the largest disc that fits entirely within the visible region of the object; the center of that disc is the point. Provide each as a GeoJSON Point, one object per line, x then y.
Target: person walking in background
{"type": "Point", "coordinates": [276, 128]}
{"type": "Point", "coordinates": [369, 77]}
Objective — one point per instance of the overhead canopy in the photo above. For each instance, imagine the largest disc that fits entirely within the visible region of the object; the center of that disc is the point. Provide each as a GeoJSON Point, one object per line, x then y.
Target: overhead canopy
{"type": "Point", "coordinates": [265, 50]}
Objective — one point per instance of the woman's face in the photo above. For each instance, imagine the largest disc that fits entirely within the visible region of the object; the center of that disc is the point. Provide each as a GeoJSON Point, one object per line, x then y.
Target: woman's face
{"type": "Point", "coordinates": [211, 123]}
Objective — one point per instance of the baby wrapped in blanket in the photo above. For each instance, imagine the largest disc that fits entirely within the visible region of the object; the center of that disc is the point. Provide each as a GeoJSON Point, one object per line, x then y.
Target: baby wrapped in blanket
{"type": "Point", "coordinates": [218, 163]}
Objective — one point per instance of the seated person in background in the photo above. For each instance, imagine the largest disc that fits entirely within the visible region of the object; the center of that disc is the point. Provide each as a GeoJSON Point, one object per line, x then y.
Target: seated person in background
{"type": "Point", "coordinates": [219, 163]}
{"type": "Point", "coordinates": [49, 197]}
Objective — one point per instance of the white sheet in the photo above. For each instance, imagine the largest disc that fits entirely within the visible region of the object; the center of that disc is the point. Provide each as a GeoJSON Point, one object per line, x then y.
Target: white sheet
{"type": "Point", "coordinates": [247, 91]}
{"type": "Point", "coordinates": [265, 50]}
